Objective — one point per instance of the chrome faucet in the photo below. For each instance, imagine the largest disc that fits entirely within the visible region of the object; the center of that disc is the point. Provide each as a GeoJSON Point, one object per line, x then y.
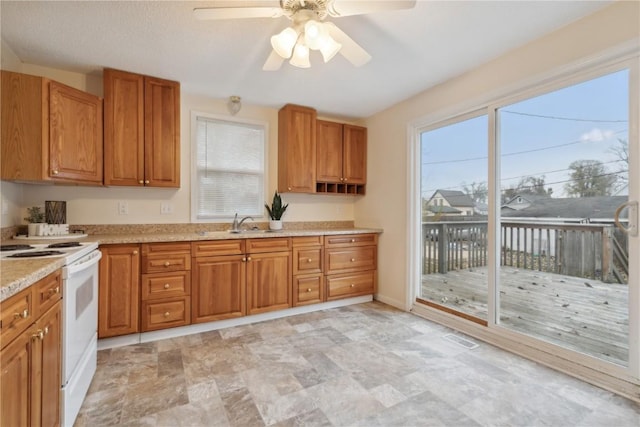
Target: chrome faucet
{"type": "Point", "coordinates": [236, 224]}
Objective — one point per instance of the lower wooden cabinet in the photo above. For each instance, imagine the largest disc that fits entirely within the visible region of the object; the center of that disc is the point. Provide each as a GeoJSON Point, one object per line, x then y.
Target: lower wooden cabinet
{"type": "Point", "coordinates": [308, 289]}
{"type": "Point", "coordinates": [119, 290]}
{"type": "Point", "coordinates": [351, 263]}
{"type": "Point", "coordinates": [268, 282]}
{"type": "Point", "coordinates": [165, 313]}
{"type": "Point", "coordinates": [218, 288]}
{"type": "Point", "coordinates": [31, 362]}
{"type": "Point", "coordinates": [350, 285]}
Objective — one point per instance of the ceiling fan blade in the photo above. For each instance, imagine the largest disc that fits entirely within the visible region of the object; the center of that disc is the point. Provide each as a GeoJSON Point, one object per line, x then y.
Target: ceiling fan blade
{"type": "Point", "coordinates": [351, 50]}
{"type": "Point", "coordinates": [273, 62]}
{"type": "Point", "coordinates": [351, 7]}
{"type": "Point", "coordinates": [236, 12]}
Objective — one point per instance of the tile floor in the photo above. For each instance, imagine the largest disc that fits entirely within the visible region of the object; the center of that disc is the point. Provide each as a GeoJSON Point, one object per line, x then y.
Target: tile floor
{"type": "Point", "coordinates": [362, 365]}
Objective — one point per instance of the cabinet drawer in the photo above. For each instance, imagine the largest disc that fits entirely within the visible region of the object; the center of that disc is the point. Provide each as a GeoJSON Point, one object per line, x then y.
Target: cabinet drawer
{"type": "Point", "coordinates": [166, 313]}
{"type": "Point", "coordinates": [217, 247]}
{"type": "Point", "coordinates": [166, 262]}
{"type": "Point", "coordinates": [164, 248]}
{"type": "Point", "coordinates": [297, 242]}
{"type": "Point", "coordinates": [351, 259]}
{"type": "Point", "coordinates": [277, 244]}
{"type": "Point", "coordinates": [350, 240]}
{"type": "Point", "coordinates": [307, 261]}
{"type": "Point", "coordinates": [165, 285]}
{"type": "Point", "coordinates": [308, 289]}
{"type": "Point", "coordinates": [16, 315]}
{"type": "Point", "coordinates": [48, 291]}
{"type": "Point", "coordinates": [350, 285]}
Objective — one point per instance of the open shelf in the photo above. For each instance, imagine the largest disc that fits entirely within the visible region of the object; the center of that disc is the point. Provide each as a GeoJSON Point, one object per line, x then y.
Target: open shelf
{"type": "Point", "coordinates": [335, 188]}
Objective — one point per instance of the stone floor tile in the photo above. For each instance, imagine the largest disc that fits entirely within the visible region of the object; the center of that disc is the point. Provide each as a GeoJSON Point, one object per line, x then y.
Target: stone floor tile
{"type": "Point", "coordinates": [240, 408]}
{"type": "Point", "coordinates": [315, 418]}
{"type": "Point", "coordinates": [387, 395]}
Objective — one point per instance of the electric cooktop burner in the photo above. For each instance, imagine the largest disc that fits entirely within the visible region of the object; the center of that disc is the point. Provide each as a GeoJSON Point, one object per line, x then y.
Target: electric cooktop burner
{"type": "Point", "coordinates": [7, 248]}
{"type": "Point", "coordinates": [64, 245]}
{"type": "Point", "coordinates": [35, 254]}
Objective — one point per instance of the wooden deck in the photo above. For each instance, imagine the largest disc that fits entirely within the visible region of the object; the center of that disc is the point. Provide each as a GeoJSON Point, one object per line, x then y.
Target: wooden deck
{"type": "Point", "coordinates": [585, 315]}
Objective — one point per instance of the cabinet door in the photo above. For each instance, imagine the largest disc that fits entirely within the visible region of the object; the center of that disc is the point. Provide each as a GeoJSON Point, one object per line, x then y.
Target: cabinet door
{"type": "Point", "coordinates": [329, 151]}
{"type": "Point", "coordinates": [119, 290]}
{"type": "Point", "coordinates": [161, 132]}
{"type": "Point", "coordinates": [218, 288]}
{"type": "Point", "coordinates": [297, 149]}
{"type": "Point", "coordinates": [15, 386]}
{"type": "Point", "coordinates": [269, 282]}
{"type": "Point", "coordinates": [75, 130]}
{"type": "Point", "coordinates": [123, 128]}
{"type": "Point", "coordinates": [46, 406]}
{"type": "Point", "coordinates": [355, 155]}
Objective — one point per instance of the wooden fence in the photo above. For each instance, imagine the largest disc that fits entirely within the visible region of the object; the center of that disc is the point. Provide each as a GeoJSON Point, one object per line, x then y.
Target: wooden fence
{"type": "Point", "coordinates": [596, 251]}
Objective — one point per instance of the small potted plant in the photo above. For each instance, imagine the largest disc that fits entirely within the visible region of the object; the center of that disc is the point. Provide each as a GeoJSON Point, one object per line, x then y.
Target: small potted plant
{"type": "Point", "coordinates": [35, 217]}
{"type": "Point", "coordinates": [275, 212]}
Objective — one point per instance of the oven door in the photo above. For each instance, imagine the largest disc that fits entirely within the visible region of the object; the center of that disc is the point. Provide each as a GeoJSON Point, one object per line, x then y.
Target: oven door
{"type": "Point", "coordinates": [80, 298]}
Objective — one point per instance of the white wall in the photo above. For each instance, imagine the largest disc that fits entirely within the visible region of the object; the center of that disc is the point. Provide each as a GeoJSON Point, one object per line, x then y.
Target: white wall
{"type": "Point", "coordinates": [96, 205]}
{"type": "Point", "coordinates": [386, 204]}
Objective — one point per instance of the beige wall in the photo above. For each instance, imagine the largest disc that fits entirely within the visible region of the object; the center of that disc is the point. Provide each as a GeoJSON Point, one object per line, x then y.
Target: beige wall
{"type": "Point", "coordinates": [95, 205]}
{"type": "Point", "coordinates": [386, 204]}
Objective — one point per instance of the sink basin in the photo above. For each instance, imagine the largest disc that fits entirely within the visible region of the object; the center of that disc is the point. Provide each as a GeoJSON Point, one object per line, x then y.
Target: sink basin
{"type": "Point", "coordinates": [251, 231]}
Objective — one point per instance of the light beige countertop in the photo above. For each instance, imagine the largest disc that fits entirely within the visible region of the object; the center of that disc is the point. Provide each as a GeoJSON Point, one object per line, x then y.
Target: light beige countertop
{"type": "Point", "coordinates": [16, 275]}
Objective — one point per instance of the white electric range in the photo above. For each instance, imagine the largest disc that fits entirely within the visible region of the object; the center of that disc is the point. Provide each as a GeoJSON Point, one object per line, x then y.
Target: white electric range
{"type": "Point", "coordinates": [79, 313]}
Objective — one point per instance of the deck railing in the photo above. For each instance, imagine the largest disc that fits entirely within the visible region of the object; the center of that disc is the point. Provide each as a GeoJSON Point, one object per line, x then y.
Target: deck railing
{"type": "Point", "coordinates": [594, 251]}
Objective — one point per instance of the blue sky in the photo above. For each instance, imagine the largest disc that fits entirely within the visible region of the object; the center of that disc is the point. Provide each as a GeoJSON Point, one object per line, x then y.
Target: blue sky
{"type": "Point", "coordinates": [539, 136]}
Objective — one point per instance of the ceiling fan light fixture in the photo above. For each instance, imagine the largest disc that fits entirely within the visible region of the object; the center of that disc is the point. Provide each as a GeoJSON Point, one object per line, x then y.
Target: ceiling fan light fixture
{"type": "Point", "coordinates": [284, 42]}
{"type": "Point", "coordinates": [300, 57]}
{"type": "Point", "coordinates": [315, 34]}
{"type": "Point", "coordinates": [329, 49]}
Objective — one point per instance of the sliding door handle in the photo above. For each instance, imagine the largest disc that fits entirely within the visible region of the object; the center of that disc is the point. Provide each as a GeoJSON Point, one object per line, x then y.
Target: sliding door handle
{"type": "Point", "coordinates": [632, 228]}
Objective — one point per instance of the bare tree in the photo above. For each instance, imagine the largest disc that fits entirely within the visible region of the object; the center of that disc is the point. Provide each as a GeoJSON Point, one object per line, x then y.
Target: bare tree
{"type": "Point", "coordinates": [478, 191]}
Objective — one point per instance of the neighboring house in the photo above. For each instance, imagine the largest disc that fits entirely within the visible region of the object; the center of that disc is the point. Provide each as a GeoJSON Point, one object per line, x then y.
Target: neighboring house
{"type": "Point", "coordinates": [450, 202]}
{"type": "Point", "coordinates": [570, 209]}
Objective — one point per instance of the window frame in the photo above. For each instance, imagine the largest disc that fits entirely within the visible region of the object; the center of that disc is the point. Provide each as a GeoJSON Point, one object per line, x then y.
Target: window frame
{"type": "Point", "coordinates": [194, 168]}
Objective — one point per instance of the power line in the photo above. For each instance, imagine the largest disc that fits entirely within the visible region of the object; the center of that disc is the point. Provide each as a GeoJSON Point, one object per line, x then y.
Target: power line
{"type": "Point", "coordinates": [572, 119]}
{"type": "Point", "coordinates": [513, 153]}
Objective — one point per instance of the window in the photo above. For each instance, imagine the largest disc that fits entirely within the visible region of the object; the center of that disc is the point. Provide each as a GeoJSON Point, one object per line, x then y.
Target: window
{"type": "Point", "coordinates": [228, 168]}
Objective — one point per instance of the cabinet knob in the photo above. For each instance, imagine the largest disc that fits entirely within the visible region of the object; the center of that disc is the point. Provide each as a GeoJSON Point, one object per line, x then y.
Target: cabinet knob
{"type": "Point", "coordinates": [135, 252]}
{"type": "Point", "coordinates": [308, 259]}
{"type": "Point", "coordinates": [167, 264]}
{"type": "Point", "coordinates": [353, 240]}
{"type": "Point", "coordinates": [146, 181]}
{"type": "Point", "coordinates": [289, 188]}
{"type": "Point", "coordinates": [23, 315]}
{"type": "Point", "coordinates": [244, 259]}
{"type": "Point", "coordinates": [55, 290]}
{"type": "Point", "coordinates": [38, 335]}
{"type": "Point", "coordinates": [353, 260]}
{"type": "Point", "coordinates": [141, 182]}
{"type": "Point", "coordinates": [353, 286]}
{"type": "Point", "coordinates": [308, 289]}
{"type": "Point", "coordinates": [248, 258]}
{"type": "Point", "coordinates": [55, 172]}
{"type": "Point", "coordinates": [166, 286]}
{"type": "Point", "coordinates": [345, 180]}
{"type": "Point", "coordinates": [166, 314]}
{"type": "Point", "coordinates": [46, 330]}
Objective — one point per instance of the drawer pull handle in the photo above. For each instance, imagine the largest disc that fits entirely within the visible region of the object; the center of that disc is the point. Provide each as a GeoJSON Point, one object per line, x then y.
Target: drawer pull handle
{"type": "Point", "coordinates": [353, 260]}
{"type": "Point", "coordinates": [135, 252]}
{"type": "Point", "coordinates": [55, 290]}
{"type": "Point", "coordinates": [38, 335]}
{"type": "Point", "coordinates": [23, 315]}
{"type": "Point", "coordinates": [353, 240]}
{"type": "Point", "coordinates": [166, 286]}
{"type": "Point", "coordinates": [167, 264]}
{"type": "Point", "coordinates": [166, 314]}
{"type": "Point", "coordinates": [353, 286]}
{"type": "Point", "coordinates": [308, 289]}
{"type": "Point", "coordinates": [308, 259]}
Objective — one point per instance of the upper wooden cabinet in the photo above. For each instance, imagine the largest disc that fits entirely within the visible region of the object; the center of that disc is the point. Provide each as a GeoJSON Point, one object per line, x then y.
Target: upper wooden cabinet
{"type": "Point", "coordinates": [341, 158]}
{"type": "Point", "coordinates": [50, 132]}
{"type": "Point", "coordinates": [141, 130]}
{"type": "Point", "coordinates": [296, 149]}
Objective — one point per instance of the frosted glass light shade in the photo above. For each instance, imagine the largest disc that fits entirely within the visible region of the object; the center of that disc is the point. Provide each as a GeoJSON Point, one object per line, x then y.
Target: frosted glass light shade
{"type": "Point", "coordinates": [300, 57]}
{"type": "Point", "coordinates": [284, 42]}
{"type": "Point", "coordinates": [314, 34]}
{"type": "Point", "coordinates": [329, 48]}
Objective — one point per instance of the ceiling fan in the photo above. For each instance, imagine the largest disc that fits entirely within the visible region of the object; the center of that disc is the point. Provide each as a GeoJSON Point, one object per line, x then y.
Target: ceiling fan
{"type": "Point", "coordinates": [308, 31]}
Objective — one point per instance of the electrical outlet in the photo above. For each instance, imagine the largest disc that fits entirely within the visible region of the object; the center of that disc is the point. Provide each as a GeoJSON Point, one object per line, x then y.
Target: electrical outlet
{"type": "Point", "coordinates": [123, 208]}
{"type": "Point", "coordinates": [166, 208]}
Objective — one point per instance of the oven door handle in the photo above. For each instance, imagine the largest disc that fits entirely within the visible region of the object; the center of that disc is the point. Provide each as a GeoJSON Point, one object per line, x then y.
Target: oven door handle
{"type": "Point", "coordinates": [82, 264]}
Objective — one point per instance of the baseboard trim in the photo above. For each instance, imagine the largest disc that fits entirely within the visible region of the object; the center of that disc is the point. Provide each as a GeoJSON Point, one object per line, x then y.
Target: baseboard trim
{"type": "Point", "coordinates": [629, 388]}
{"type": "Point", "coordinates": [391, 301]}
{"type": "Point", "coordinates": [144, 337]}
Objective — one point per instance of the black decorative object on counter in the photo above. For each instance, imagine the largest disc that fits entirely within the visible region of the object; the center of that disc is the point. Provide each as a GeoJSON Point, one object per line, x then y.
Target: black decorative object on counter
{"type": "Point", "coordinates": [55, 212]}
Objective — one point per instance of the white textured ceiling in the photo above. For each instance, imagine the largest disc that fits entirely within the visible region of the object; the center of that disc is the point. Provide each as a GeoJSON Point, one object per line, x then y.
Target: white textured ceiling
{"type": "Point", "coordinates": [412, 49]}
